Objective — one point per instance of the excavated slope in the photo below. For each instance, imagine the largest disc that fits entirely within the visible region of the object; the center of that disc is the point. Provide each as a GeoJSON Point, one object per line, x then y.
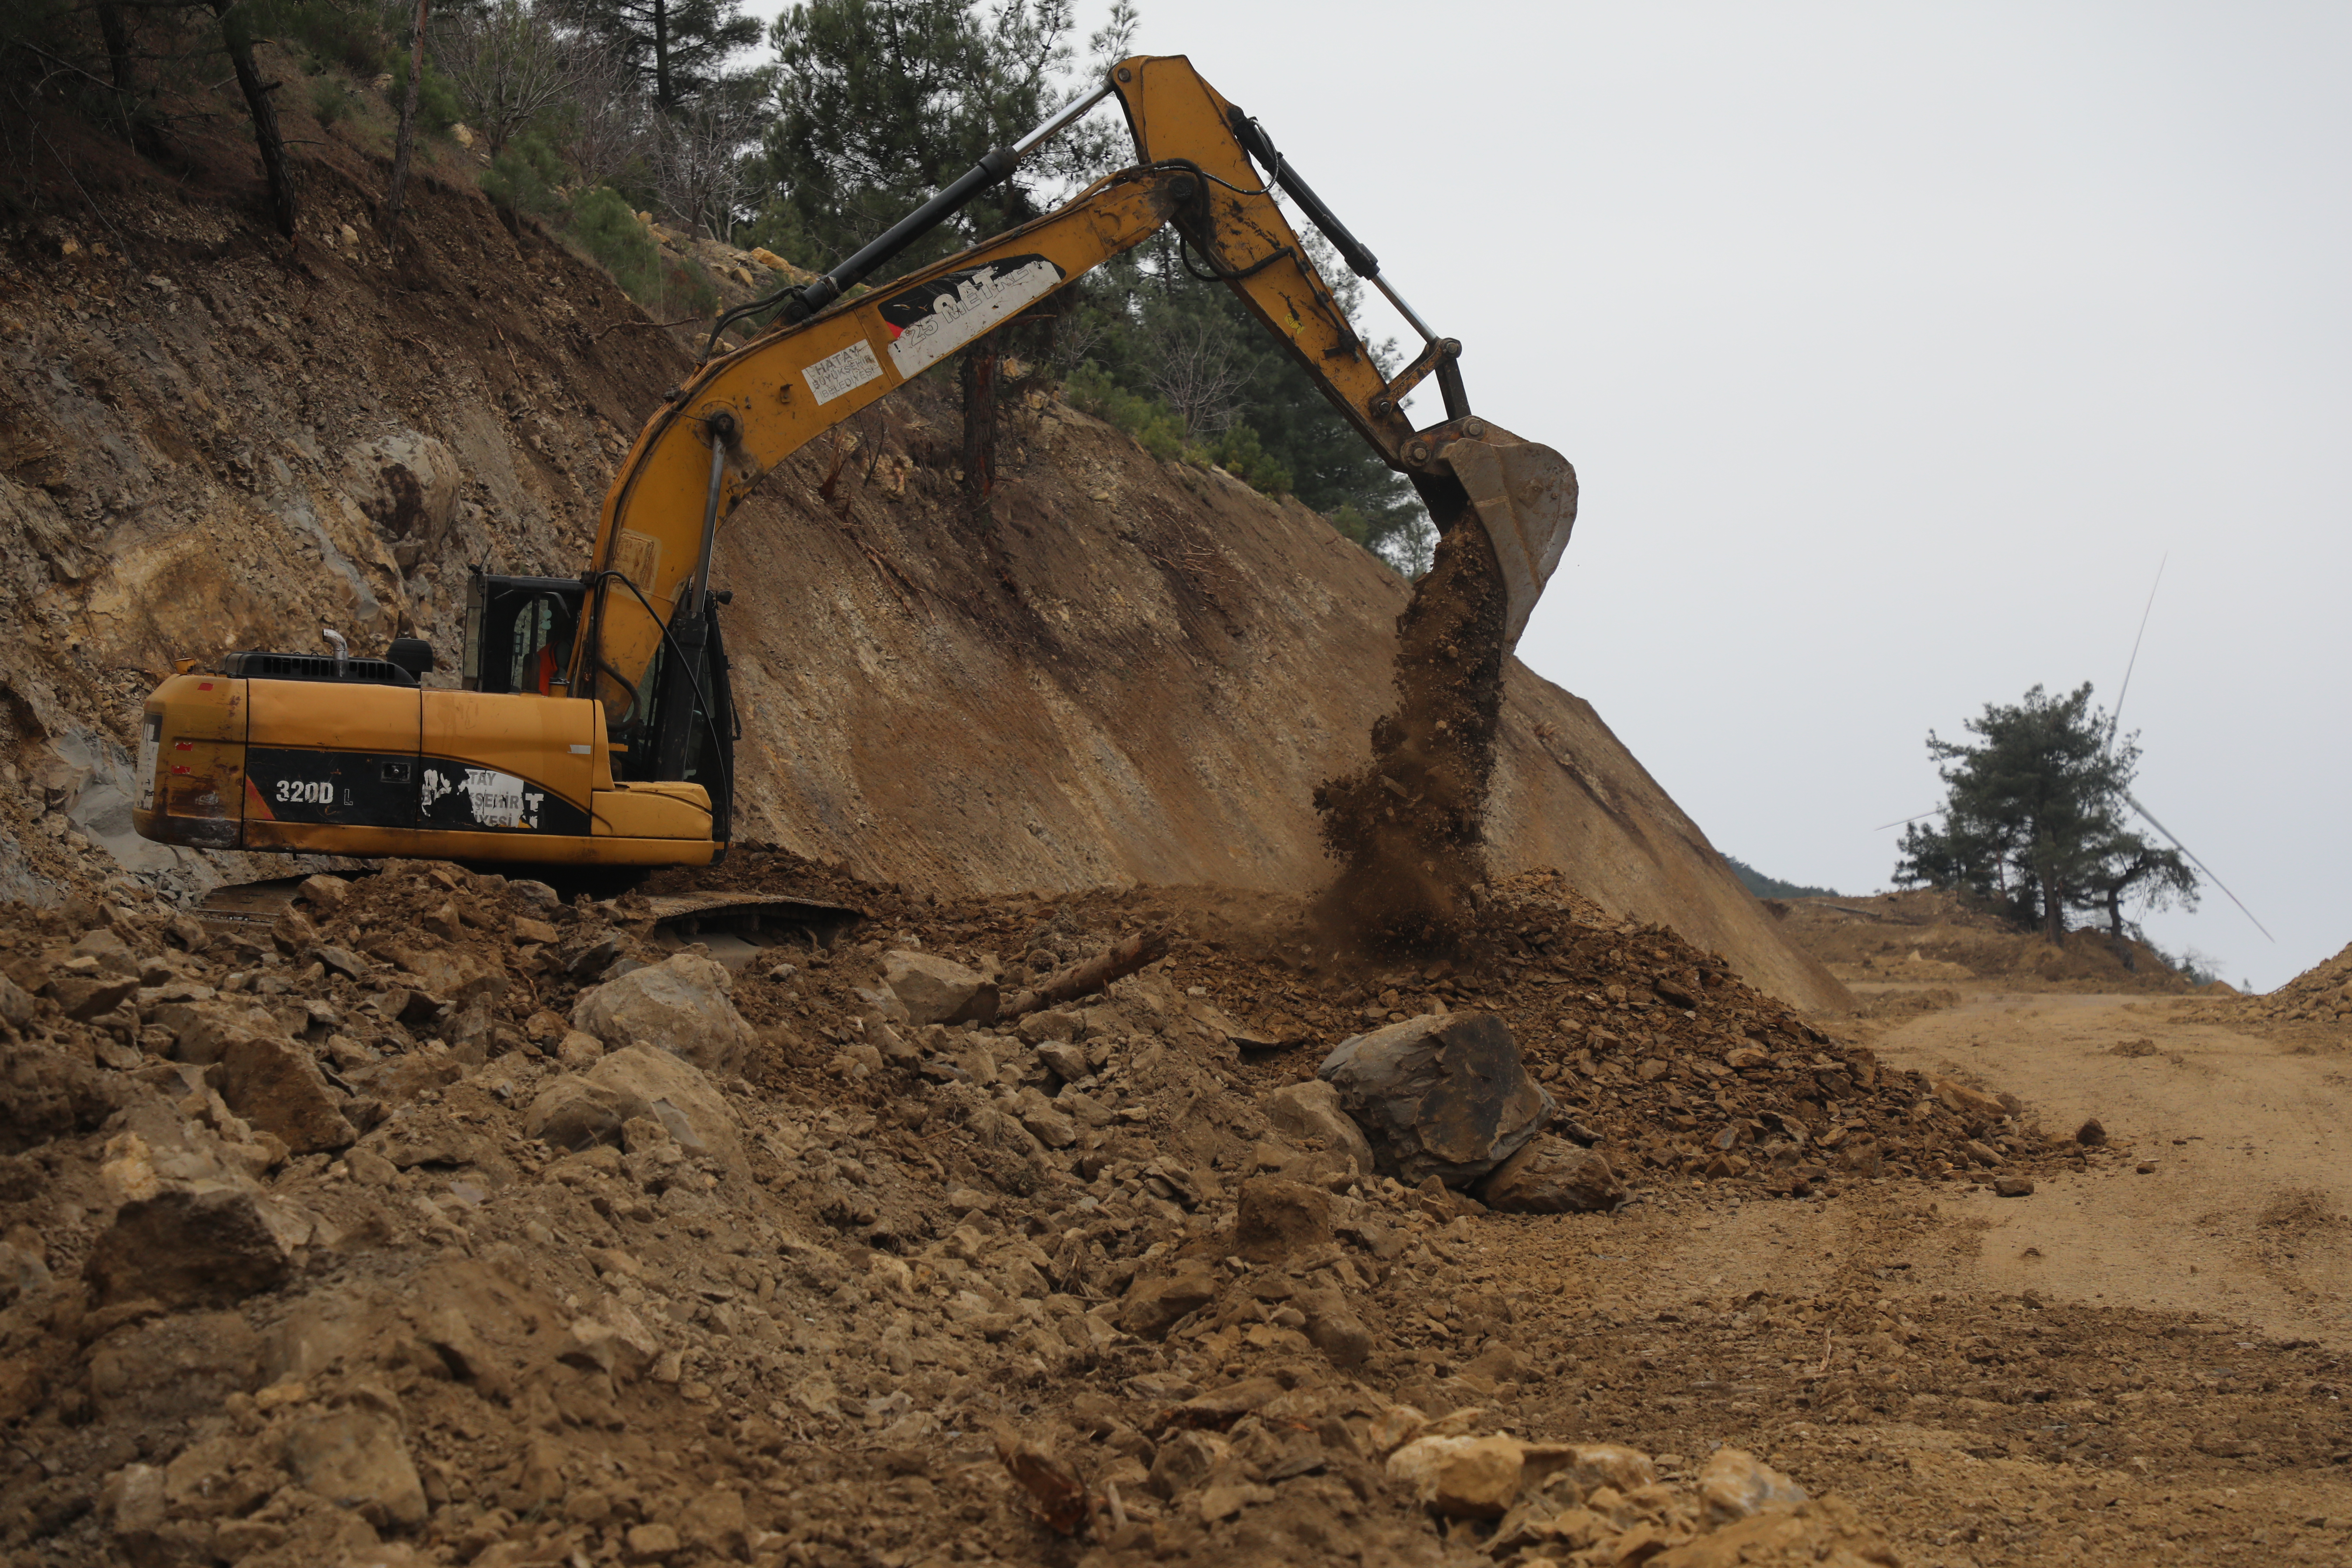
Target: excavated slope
{"type": "Point", "coordinates": [1124, 670]}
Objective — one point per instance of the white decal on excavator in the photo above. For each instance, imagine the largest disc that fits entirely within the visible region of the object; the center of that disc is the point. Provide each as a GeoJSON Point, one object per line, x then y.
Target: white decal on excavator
{"type": "Point", "coordinates": [847, 371]}
{"type": "Point", "coordinates": [498, 800]}
{"type": "Point", "coordinates": [984, 300]}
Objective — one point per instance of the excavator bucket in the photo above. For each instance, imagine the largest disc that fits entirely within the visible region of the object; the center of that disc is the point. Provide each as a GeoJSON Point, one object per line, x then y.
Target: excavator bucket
{"type": "Point", "coordinates": [1525, 496]}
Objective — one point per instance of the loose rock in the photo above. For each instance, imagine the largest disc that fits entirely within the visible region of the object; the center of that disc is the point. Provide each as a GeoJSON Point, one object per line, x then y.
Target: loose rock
{"type": "Point", "coordinates": [1442, 1095]}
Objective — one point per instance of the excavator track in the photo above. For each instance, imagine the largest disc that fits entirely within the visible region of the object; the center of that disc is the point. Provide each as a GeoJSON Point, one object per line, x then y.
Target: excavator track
{"type": "Point", "coordinates": [736, 927]}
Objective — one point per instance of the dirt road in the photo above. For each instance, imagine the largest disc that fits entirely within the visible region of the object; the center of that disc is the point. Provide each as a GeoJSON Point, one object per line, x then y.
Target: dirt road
{"type": "Point", "coordinates": [2121, 1368]}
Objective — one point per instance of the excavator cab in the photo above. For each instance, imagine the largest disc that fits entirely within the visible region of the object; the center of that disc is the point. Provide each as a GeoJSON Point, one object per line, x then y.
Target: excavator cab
{"type": "Point", "coordinates": [519, 632]}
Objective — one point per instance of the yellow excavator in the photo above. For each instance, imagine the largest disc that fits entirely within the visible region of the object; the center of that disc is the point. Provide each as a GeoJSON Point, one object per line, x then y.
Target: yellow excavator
{"type": "Point", "coordinates": [593, 725]}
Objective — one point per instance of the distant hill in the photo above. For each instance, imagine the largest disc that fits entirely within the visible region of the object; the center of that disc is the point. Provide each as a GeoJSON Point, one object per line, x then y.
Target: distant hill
{"type": "Point", "coordinates": [1765, 887]}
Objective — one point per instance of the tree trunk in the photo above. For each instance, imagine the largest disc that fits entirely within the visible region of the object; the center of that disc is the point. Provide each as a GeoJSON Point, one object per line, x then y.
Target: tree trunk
{"type": "Point", "coordinates": [662, 94]}
{"type": "Point", "coordinates": [405, 142]}
{"type": "Point", "coordinates": [111, 28]}
{"type": "Point", "coordinates": [979, 378]}
{"type": "Point", "coordinates": [238, 41]}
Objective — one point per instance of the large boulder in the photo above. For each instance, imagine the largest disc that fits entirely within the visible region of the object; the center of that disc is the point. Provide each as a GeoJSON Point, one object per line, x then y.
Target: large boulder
{"type": "Point", "coordinates": [936, 990]}
{"type": "Point", "coordinates": [1550, 1175]}
{"type": "Point", "coordinates": [580, 1109]}
{"type": "Point", "coordinates": [680, 1005]}
{"type": "Point", "coordinates": [407, 485]}
{"type": "Point", "coordinates": [1312, 1109]}
{"type": "Point", "coordinates": [1442, 1095]}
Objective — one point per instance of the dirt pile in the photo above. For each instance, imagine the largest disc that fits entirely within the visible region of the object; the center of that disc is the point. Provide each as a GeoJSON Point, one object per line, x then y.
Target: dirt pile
{"type": "Point", "coordinates": [2319, 995]}
{"type": "Point", "coordinates": [1934, 937]}
{"type": "Point", "coordinates": [315, 1239]}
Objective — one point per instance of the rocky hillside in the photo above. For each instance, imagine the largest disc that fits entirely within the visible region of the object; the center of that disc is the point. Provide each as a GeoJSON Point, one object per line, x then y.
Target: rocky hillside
{"type": "Point", "coordinates": [1131, 671]}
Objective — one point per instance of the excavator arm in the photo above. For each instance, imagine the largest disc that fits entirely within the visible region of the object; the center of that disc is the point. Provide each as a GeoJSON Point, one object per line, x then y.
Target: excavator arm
{"type": "Point", "coordinates": [1207, 169]}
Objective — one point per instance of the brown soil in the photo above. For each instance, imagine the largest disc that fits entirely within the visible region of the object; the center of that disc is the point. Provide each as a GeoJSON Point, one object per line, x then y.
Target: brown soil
{"type": "Point", "coordinates": [1934, 937]}
{"type": "Point", "coordinates": [2117, 1366]}
{"type": "Point", "coordinates": [1409, 828]}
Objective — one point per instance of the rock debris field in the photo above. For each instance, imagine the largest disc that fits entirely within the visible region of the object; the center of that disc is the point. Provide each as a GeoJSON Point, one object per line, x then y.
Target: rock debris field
{"type": "Point", "coordinates": [446, 1221]}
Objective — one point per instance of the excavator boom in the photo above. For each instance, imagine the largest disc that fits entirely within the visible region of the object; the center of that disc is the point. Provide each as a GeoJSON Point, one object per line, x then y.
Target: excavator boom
{"type": "Point", "coordinates": [595, 725]}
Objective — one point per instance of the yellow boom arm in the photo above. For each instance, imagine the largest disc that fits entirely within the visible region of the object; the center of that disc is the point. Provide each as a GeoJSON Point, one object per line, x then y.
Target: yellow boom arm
{"type": "Point", "coordinates": [746, 411]}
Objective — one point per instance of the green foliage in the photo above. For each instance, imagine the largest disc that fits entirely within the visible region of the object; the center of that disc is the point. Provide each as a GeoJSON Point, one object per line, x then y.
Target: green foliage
{"type": "Point", "coordinates": [606, 227]}
{"type": "Point", "coordinates": [1152, 424]}
{"type": "Point", "coordinates": [2034, 818]}
{"type": "Point", "coordinates": [880, 102]}
{"type": "Point", "coordinates": [1765, 887]}
{"type": "Point", "coordinates": [1161, 432]}
{"type": "Point", "coordinates": [675, 48]}
{"type": "Point", "coordinates": [1241, 454]}
{"type": "Point", "coordinates": [526, 176]}
{"type": "Point", "coordinates": [330, 99]}
{"type": "Point", "coordinates": [1143, 326]}
{"type": "Point", "coordinates": [355, 35]}
{"type": "Point", "coordinates": [437, 101]}
{"type": "Point", "coordinates": [668, 286]}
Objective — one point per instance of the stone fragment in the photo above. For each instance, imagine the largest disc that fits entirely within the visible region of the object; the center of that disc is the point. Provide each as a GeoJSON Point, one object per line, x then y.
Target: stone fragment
{"type": "Point", "coordinates": [1551, 1175]}
{"type": "Point", "coordinates": [616, 1339]}
{"type": "Point", "coordinates": [1825, 1532]}
{"type": "Point", "coordinates": [1053, 1024]}
{"type": "Point", "coordinates": [342, 961]}
{"type": "Point", "coordinates": [1596, 1465]}
{"type": "Point", "coordinates": [17, 1005]}
{"type": "Point", "coordinates": [1459, 1478]}
{"type": "Point", "coordinates": [322, 891]}
{"type": "Point", "coordinates": [2091, 1134]}
{"type": "Point", "coordinates": [1185, 1460]}
{"type": "Point", "coordinates": [1280, 1219]}
{"type": "Point", "coordinates": [680, 1005]}
{"type": "Point", "coordinates": [87, 996]}
{"type": "Point", "coordinates": [276, 1086]}
{"type": "Point", "coordinates": [651, 1542]}
{"type": "Point", "coordinates": [1735, 1484]}
{"type": "Point", "coordinates": [1443, 1095]}
{"type": "Point", "coordinates": [1064, 1060]}
{"type": "Point", "coordinates": [1047, 1125]}
{"type": "Point", "coordinates": [1157, 1304]}
{"type": "Point", "coordinates": [1334, 1328]}
{"type": "Point", "coordinates": [170, 1368]}
{"type": "Point", "coordinates": [674, 1093]}
{"type": "Point", "coordinates": [935, 990]}
{"type": "Point", "coordinates": [1983, 1155]}
{"type": "Point", "coordinates": [185, 1247]}
{"type": "Point", "coordinates": [355, 1458]}
{"type": "Point", "coordinates": [572, 1113]}
{"type": "Point", "coordinates": [2013, 1186]}
{"type": "Point", "coordinates": [1312, 1109]}
{"type": "Point", "coordinates": [1969, 1103]}
{"type": "Point", "coordinates": [579, 1051]}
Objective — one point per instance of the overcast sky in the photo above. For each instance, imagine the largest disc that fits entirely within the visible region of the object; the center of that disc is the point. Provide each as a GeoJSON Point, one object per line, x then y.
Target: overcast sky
{"type": "Point", "coordinates": [1894, 345]}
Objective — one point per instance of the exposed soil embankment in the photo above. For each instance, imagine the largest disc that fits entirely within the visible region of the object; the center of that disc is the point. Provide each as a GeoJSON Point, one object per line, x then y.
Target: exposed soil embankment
{"type": "Point", "coordinates": [1132, 671]}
